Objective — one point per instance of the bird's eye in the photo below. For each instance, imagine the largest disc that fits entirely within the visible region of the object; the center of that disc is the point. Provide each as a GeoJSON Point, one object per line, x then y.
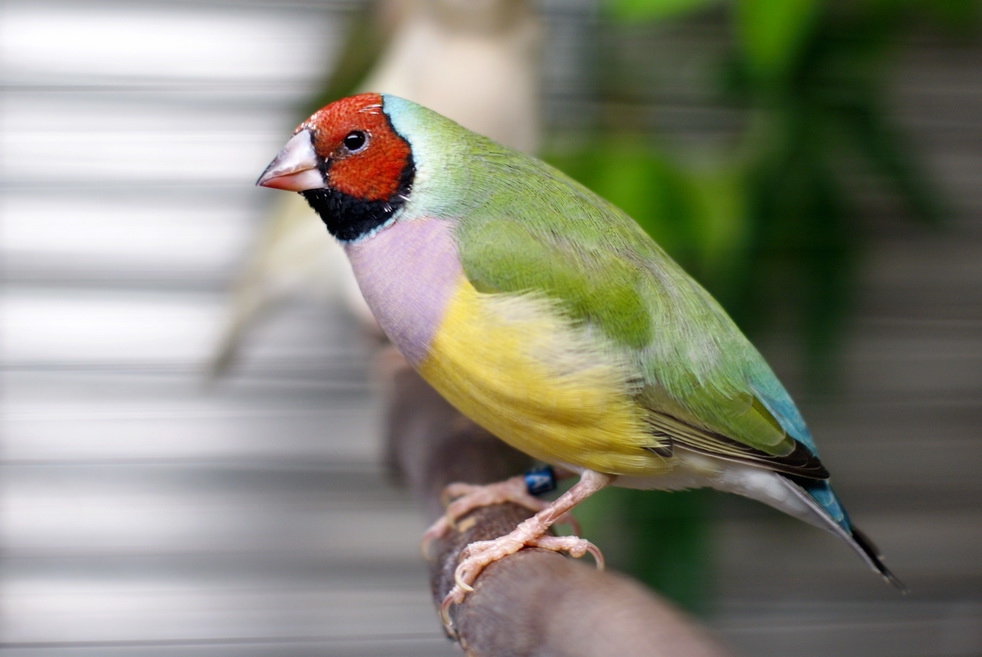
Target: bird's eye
{"type": "Point", "coordinates": [355, 140]}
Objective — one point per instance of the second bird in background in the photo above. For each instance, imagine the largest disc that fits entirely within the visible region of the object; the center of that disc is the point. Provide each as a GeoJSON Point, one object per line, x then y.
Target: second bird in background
{"type": "Point", "coordinates": [476, 62]}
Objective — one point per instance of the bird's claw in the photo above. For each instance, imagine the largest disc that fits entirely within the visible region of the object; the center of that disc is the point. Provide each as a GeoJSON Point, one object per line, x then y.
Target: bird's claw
{"type": "Point", "coordinates": [460, 499]}
{"type": "Point", "coordinates": [575, 546]}
{"type": "Point", "coordinates": [455, 597]}
{"type": "Point", "coordinates": [480, 554]}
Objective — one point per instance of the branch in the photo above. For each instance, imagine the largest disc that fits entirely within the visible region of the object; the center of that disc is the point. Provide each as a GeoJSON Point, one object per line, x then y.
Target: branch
{"type": "Point", "coordinates": [536, 602]}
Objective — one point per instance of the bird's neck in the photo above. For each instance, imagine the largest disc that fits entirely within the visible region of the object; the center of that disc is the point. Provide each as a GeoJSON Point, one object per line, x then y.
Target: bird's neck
{"type": "Point", "coordinates": [407, 273]}
{"type": "Point", "coordinates": [349, 218]}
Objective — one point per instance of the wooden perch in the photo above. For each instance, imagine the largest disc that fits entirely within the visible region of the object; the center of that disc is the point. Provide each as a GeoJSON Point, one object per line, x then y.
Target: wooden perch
{"type": "Point", "coordinates": [536, 602]}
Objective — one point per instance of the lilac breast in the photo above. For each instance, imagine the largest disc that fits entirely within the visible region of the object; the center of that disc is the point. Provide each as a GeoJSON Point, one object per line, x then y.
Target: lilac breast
{"type": "Point", "coordinates": [408, 272]}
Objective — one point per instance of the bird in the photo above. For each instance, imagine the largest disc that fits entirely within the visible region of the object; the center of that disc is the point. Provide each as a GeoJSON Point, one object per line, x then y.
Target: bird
{"type": "Point", "coordinates": [548, 316]}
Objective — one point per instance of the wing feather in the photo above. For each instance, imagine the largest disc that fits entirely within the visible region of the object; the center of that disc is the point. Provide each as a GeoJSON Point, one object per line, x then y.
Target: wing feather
{"type": "Point", "coordinates": [704, 385]}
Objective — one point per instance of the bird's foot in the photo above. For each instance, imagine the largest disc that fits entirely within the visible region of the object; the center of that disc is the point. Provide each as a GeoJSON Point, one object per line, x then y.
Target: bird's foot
{"type": "Point", "coordinates": [467, 497]}
{"type": "Point", "coordinates": [480, 554]}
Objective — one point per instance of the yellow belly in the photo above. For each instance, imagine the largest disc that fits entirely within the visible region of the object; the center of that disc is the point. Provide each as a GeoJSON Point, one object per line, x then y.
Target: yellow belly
{"type": "Point", "coordinates": [521, 370]}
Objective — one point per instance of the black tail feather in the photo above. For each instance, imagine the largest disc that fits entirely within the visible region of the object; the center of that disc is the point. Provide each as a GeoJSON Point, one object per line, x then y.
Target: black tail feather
{"type": "Point", "coordinates": [875, 560]}
{"type": "Point", "coordinates": [845, 530]}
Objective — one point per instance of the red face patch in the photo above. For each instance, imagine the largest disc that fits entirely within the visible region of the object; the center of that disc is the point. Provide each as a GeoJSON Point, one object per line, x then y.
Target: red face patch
{"type": "Point", "coordinates": [366, 157]}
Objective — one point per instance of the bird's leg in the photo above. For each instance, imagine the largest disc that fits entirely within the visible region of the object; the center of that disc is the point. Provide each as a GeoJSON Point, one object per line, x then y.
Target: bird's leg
{"type": "Point", "coordinates": [467, 497]}
{"type": "Point", "coordinates": [531, 533]}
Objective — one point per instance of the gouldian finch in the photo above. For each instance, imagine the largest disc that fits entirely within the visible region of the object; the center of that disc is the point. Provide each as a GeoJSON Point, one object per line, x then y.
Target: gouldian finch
{"type": "Point", "coordinates": [548, 316]}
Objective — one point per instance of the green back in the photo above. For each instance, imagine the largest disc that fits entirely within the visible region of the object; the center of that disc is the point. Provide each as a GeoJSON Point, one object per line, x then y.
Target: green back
{"type": "Point", "coordinates": [525, 226]}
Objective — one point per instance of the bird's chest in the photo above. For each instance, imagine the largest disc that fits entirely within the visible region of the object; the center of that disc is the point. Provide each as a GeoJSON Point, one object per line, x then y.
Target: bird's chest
{"type": "Point", "coordinates": [408, 274]}
{"type": "Point", "coordinates": [510, 362]}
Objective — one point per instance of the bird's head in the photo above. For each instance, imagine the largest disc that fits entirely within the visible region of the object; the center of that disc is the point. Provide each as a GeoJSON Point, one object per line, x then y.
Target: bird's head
{"type": "Point", "coordinates": [350, 164]}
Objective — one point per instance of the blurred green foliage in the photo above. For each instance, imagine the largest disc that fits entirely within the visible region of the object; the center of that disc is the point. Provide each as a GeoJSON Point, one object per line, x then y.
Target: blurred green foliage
{"type": "Point", "coordinates": [775, 207]}
{"type": "Point", "coordinates": [647, 10]}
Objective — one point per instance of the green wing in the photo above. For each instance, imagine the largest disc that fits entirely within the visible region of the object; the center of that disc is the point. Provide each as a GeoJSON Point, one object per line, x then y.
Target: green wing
{"type": "Point", "coordinates": [700, 376]}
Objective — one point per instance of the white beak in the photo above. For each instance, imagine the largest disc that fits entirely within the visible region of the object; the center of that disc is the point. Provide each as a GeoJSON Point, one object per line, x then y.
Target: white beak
{"type": "Point", "coordinates": [295, 168]}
